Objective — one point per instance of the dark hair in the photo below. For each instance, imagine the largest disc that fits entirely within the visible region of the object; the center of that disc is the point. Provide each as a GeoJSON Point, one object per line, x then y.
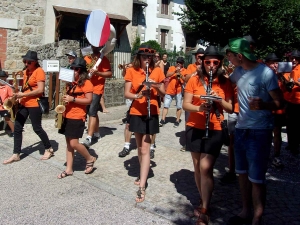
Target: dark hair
{"type": "Point", "coordinates": [136, 63]}
{"type": "Point", "coordinates": [220, 72]}
{"type": "Point", "coordinates": [83, 76]}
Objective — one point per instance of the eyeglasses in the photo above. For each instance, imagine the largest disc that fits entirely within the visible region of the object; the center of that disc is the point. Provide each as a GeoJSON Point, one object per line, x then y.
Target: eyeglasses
{"type": "Point", "coordinates": [208, 62]}
{"type": "Point", "coordinates": [75, 68]}
{"type": "Point", "coordinates": [27, 62]}
{"type": "Point", "coordinates": [147, 50]}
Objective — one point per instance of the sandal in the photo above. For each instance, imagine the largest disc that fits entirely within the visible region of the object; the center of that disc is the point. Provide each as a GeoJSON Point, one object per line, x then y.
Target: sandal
{"type": "Point", "coordinates": [63, 175]}
{"type": "Point", "coordinates": [137, 181]}
{"type": "Point", "coordinates": [140, 195]}
{"type": "Point", "coordinates": [89, 167]}
{"type": "Point", "coordinates": [203, 217]}
{"type": "Point", "coordinates": [48, 154]}
{"type": "Point", "coordinates": [13, 158]}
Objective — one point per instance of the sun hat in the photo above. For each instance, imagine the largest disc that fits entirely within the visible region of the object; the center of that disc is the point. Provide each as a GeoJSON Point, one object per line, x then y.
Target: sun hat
{"type": "Point", "coordinates": [3, 74]}
{"type": "Point", "coordinates": [199, 51]}
{"type": "Point", "coordinates": [31, 56]}
{"type": "Point", "coordinates": [212, 51]}
{"type": "Point", "coordinates": [295, 53]}
{"type": "Point", "coordinates": [250, 39]}
{"type": "Point", "coordinates": [79, 63]}
{"type": "Point", "coordinates": [272, 57]}
{"type": "Point", "coordinates": [145, 50]}
{"type": "Point", "coordinates": [180, 60]}
{"type": "Point", "coordinates": [72, 53]}
{"type": "Point", "coordinates": [242, 46]}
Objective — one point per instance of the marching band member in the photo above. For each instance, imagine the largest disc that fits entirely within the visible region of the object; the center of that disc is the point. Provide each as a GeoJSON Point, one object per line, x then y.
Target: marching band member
{"type": "Point", "coordinates": [78, 96]}
{"type": "Point", "coordinates": [33, 88]}
{"type": "Point", "coordinates": [5, 93]}
{"type": "Point", "coordinates": [142, 127]}
{"type": "Point", "coordinates": [98, 77]}
{"type": "Point", "coordinates": [204, 152]}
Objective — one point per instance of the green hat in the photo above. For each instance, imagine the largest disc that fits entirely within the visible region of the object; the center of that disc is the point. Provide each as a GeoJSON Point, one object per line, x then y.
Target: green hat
{"type": "Point", "coordinates": [242, 46]}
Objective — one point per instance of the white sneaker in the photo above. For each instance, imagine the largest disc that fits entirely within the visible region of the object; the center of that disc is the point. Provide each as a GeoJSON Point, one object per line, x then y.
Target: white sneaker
{"type": "Point", "coordinates": [87, 142]}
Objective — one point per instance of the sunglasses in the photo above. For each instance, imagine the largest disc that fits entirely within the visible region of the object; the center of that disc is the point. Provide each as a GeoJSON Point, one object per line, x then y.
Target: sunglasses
{"type": "Point", "coordinates": [215, 62]}
{"type": "Point", "coordinates": [75, 68]}
{"type": "Point", "coordinates": [147, 50]}
{"type": "Point", "coordinates": [27, 62]}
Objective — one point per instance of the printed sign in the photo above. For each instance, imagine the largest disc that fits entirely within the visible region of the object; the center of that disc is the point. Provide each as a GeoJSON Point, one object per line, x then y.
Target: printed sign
{"type": "Point", "coordinates": [51, 65]}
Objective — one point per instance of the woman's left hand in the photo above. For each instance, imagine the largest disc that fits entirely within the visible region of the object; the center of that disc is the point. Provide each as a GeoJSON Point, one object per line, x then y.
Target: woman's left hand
{"type": "Point", "coordinates": [19, 95]}
{"type": "Point", "coordinates": [216, 94]}
{"type": "Point", "coordinates": [155, 85]}
{"type": "Point", "coordinates": [67, 98]}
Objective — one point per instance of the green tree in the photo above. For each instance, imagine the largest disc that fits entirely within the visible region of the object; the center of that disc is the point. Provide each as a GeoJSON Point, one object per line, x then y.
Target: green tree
{"type": "Point", "coordinates": [136, 44]}
{"type": "Point", "coordinates": [275, 24]}
{"type": "Point", "coordinates": [155, 45]}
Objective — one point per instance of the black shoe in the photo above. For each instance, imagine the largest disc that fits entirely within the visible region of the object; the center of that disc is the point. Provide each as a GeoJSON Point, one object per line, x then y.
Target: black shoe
{"type": "Point", "coordinates": [228, 178]}
{"type": "Point", "coordinates": [162, 123]}
{"type": "Point", "coordinates": [151, 153]}
{"type": "Point", "coordinates": [11, 135]}
{"type": "Point", "coordinates": [124, 152]}
{"type": "Point", "coordinates": [236, 220]}
{"type": "Point", "coordinates": [176, 124]}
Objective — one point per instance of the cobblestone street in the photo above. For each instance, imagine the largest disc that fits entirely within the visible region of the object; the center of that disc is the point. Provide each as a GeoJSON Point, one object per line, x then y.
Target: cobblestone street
{"type": "Point", "coordinates": [171, 192]}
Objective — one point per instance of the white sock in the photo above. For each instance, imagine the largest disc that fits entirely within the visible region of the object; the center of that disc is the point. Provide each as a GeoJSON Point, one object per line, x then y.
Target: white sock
{"type": "Point", "coordinates": [97, 134]}
{"type": "Point", "coordinates": [152, 147]}
{"type": "Point", "coordinates": [127, 145]}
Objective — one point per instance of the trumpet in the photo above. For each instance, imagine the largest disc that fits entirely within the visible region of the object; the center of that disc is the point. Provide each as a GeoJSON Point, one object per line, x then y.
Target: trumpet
{"type": "Point", "coordinates": [210, 102]}
{"type": "Point", "coordinates": [123, 66]}
{"type": "Point", "coordinates": [288, 83]}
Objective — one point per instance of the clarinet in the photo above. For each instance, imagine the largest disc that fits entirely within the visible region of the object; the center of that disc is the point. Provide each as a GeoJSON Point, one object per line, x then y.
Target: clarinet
{"type": "Point", "coordinates": [148, 94]}
{"type": "Point", "coordinates": [207, 114]}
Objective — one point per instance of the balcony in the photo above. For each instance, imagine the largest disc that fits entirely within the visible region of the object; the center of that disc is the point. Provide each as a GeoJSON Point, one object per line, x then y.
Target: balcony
{"type": "Point", "coordinates": [140, 2]}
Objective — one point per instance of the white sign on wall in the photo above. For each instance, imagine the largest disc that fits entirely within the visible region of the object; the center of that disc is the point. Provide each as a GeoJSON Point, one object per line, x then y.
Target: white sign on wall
{"type": "Point", "coordinates": [51, 65]}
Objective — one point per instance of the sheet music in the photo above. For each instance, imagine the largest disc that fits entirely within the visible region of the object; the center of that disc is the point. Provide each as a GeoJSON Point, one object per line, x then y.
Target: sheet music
{"type": "Point", "coordinates": [86, 51]}
{"type": "Point", "coordinates": [66, 74]}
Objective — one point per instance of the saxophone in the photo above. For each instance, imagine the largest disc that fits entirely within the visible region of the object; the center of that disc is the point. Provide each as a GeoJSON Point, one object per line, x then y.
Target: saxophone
{"type": "Point", "coordinates": [60, 109]}
{"type": "Point", "coordinates": [92, 63]}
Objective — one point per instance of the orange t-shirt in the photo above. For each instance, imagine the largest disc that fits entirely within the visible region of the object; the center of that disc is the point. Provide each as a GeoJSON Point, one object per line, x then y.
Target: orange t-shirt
{"type": "Point", "coordinates": [174, 86]}
{"type": "Point", "coordinates": [96, 80]}
{"type": "Point", "coordinates": [197, 119]}
{"type": "Point", "coordinates": [285, 93]}
{"type": "Point", "coordinates": [295, 94]}
{"type": "Point", "coordinates": [191, 68]}
{"type": "Point", "coordinates": [137, 77]}
{"type": "Point", "coordinates": [73, 109]}
{"type": "Point", "coordinates": [5, 93]}
{"type": "Point", "coordinates": [37, 76]}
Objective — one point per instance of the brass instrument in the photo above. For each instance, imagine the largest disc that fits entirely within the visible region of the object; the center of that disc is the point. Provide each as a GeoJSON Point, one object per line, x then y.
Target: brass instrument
{"type": "Point", "coordinates": [60, 109]}
{"type": "Point", "coordinates": [92, 63]}
{"type": "Point", "coordinates": [123, 66]}
{"type": "Point", "coordinates": [210, 102]}
{"type": "Point", "coordinates": [288, 83]}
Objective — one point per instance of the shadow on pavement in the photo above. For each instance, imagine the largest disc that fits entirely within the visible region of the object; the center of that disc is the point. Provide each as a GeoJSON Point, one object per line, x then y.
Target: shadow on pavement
{"type": "Point", "coordinates": [106, 131]}
{"type": "Point", "coordinates": [79, 162]}
{"type": "Point", "coordinates": [38, 146]}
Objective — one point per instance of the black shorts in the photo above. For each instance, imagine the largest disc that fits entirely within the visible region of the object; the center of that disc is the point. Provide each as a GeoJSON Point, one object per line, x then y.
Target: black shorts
{"type": "Point", "coordinates": [195, 143]}
{"type": "Point", "coordinates": [279, 120]}
{"type": "Point", "coordinates": [95, 106]}
{"type": "Point", "coordinates": [4, 113]}
{"type": "Point", "coordinates": [72, 128]}
{"type": "Point", "coordinates": [142, 125]}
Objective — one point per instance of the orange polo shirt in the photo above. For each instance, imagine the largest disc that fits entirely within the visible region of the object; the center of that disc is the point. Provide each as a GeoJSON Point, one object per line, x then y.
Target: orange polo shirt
{"type": "Point", "coordinates": [5, 93]}
{"type": "Point", "coordinates": [197, 119]}
{"type": "Point", "coordinates": [174, 86]}
{"type": "Point", "coordinates": [37, 76]}
{"type": "Point", "coordinates": [73, 109]}
{"type": "Point", "coordinates": [295, 94]}
{"type": "Point", "coordinates": [137, 77]}
{"type": "Point", "coordinates": [96, 80]}
{"type": "Point", "coordinates": [191, 68]}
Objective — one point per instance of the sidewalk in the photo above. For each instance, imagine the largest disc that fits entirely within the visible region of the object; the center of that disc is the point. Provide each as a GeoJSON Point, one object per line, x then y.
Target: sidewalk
{"type": "Point", "coordinates": [171, 191]}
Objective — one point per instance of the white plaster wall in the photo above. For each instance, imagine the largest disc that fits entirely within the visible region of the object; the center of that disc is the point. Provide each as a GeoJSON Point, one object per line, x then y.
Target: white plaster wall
{"type": "Point", "coordinates": [152, 23]}
{"type": "Point", "coordinates": [118, 7]}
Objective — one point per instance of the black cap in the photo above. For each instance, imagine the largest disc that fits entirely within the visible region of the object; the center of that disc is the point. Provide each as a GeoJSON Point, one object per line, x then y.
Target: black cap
{"type": "Point", "coordinates": [212, 51]}
{"type": "Point", "coordinates": [295, 54]}
{"type": "Point", "coordinates": [250, 39]}
{"type": "Point", "coordinates": [272, 57]}
{"type": "Point", "coordinates": [180, 60]}
{"type": "Point", "coordinates": [79, 63]}
{"type": "Point", "coordinates": [3, 74]}
{"type": "Point", "coordinates": [31, 56]}
{"type": "Point", "coordinates": [199, 51]}
{"type": "Point", "coordinates": [72, 53]}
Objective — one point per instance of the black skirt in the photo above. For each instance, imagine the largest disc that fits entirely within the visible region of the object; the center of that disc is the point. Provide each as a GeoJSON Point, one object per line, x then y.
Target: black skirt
{"type": "Point", "coordinates": [196, 143]}
{"type": "Point", "coordinates": [142, 125]}
{"type": "Point", "coordinates": [72, 128]}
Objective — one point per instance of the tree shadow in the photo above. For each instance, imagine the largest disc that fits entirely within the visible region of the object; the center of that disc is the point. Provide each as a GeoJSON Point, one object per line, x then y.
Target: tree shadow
{"type": "Point", "coordinates": [38, 146]}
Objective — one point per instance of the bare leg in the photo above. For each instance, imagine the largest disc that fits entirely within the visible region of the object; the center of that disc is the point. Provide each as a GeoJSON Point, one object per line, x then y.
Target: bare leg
{"type": "Point", "coordinates": [10, 124]}
{"type": "Point", "coordinates": [178, 114]}
{"type": "Point", "coordinates": [259, 200]}
{"type": "Point", "coordinates": [103, 105]}
{"type": "Point", "coordinates": [196, 162]}
{"type": "Point", "coordinates": [164, 113]}
{"type": "Point", "coordinates": [93, 125]}
{"type": "Point", "coordinates": [70, 157]}
{"type": "Point", "coordinates": [207, 181]}
{"type": "Point", "coordinates": [127, 133]}
{"type": "Point", "coordinates": [245, 186]}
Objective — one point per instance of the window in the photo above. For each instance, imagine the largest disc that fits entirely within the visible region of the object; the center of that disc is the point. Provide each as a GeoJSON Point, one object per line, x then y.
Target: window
{"type": "Point", "coordinates": [163, 38]}
{"type": "Point", "coordinates": [165, 7]}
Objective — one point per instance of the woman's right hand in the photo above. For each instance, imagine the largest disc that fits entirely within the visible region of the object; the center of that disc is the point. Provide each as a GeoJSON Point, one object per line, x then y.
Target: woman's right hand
{"type": "Point", "coordinates": [204, 107]}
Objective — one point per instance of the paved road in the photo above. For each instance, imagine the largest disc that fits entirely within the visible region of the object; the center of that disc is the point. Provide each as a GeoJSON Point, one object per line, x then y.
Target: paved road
{"type": "Point", "coordinates": [31, 193]}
